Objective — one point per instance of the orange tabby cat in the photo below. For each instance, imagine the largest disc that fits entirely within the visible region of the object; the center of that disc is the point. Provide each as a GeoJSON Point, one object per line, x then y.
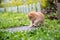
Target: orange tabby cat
{"type": "Point", "coordinates": [36, 18]}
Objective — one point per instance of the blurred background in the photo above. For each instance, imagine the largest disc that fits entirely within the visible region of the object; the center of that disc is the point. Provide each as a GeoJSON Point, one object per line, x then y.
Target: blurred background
{"type": "Point", "coordinates": [26, 6]}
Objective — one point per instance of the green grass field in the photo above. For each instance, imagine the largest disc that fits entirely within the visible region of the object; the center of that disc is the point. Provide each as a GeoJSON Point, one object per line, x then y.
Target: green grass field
{"type": "Point", "coordinates": [13, 19]}
{"type": "Point", "coordinates": [51, 30]}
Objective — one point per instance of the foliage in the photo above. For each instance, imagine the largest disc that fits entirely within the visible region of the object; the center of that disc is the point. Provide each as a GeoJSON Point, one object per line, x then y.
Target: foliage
{"type": "Point", "coordinates": [1, 3]}
{"type": "Point", "coordinates": [22, 2]}
{"type": "Point", "coordinates": [31, 1]}
{"type": "Point", "coordinates": [43, 4]}
{"type": "Point", "coordinates": [51, 30]}
{"type": "Point", "coordinates": [13, 19]}
{"type": "Point", "coordinates": [51, 6]}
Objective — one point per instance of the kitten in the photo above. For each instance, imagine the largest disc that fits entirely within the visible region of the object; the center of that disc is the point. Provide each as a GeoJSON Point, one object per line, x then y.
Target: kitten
{"type": "Point", "coordinates": [36, 18]}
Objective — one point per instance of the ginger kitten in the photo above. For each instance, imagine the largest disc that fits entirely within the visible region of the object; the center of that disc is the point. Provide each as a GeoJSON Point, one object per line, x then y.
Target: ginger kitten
{"type": "Point", "coordinates": [36, 18]}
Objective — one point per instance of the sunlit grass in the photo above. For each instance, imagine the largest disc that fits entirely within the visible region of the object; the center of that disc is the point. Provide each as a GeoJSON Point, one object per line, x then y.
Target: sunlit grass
{"type": "Point", "coordinates": [13, 19]}
{"type": "Point", "coordinates": [51, 30]}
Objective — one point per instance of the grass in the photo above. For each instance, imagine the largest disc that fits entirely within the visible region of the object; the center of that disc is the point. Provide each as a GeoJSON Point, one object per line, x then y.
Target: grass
{"type": "Point", "coordinates": [13, 19]}
{"type": "Point", "coordinates": [51, 30]}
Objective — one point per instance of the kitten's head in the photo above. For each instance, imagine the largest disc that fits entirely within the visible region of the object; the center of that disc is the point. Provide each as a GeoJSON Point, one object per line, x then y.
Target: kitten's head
{"type": "Point", "coordinates": [31, 15]}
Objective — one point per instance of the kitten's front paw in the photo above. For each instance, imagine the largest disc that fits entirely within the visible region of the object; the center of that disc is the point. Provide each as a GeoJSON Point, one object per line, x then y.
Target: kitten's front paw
{"type": "Point", "coordinates": [30, 26]}
{"type": "Point", "coordinates": [34, 25]}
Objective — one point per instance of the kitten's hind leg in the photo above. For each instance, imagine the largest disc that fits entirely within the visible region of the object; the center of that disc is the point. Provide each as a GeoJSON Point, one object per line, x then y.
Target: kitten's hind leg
{"type": "Point", "coordinates": [42, 23]}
